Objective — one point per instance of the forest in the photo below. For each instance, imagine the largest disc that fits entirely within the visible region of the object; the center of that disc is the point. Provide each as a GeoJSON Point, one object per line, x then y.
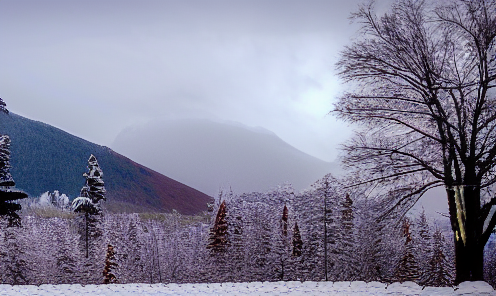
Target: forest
{"type": "Point", "coordinates": [278, 235]}
{"type": "Point", "coordinates": [272, 236]}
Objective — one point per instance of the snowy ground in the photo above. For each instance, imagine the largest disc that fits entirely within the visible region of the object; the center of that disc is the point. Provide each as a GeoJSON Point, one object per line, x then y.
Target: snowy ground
{"type": "Point", "coordinates": [266, 288]}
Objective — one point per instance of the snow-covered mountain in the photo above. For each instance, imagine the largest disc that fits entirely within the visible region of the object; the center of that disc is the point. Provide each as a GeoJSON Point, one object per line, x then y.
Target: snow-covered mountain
{"type": "Point", "coordinates": [209, 155]}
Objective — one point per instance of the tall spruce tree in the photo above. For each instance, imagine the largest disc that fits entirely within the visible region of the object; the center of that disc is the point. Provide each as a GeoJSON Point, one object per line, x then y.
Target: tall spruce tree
{"type": "Point", "coordinates": [89, 201]}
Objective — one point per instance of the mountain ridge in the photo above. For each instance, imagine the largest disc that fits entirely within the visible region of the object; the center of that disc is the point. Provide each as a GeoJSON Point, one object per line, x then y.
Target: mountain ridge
{"type": "Point", "coordinates": [46, 158]}
{"type": "Point", "coordinates": [209, 155]}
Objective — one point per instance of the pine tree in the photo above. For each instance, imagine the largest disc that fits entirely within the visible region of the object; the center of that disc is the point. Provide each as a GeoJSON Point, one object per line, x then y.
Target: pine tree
{"type": "Point", "coordinates": [89, 201]}
{"type": "Point", "coordinates": [297, 242]}
{"type": "Point", "coordinates": [407, 268]}
{"type": "Point", "coordinates": [284, 221]}
{"type": "Point", "coordinates": [424, 243]}
{"type": "Point", "coordinates": [346, 267]}
{"type": "Point", "coordinates": [218, 233]}
{"type": "Point", "coordinates": [8, 195]}
{"type": "Point", "coordinates": [281, 246]}
{"type": "Point", "coordinates": [93, 191]}
{"type": "Point", "coordinates": [437, 273]}
{"type": "Point", "coordinates": [109, 277]}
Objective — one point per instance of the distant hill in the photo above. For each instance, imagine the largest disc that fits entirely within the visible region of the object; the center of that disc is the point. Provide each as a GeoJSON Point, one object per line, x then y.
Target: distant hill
{"type": "Point", "coordinates": [45, 158]}
{"type": "Point", "coordinates": [208, 155]}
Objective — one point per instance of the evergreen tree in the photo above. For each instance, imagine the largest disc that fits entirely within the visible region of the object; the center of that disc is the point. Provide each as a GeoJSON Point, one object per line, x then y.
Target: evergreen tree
{"type": "Point", "coordinates": [108, 276]}
{"type": "Point", "coordinates": [89, 201]}
{"type": "Point", "coordinates": [437, 274]}
{"type": "Point", "coordinates": [424, 246]}
{"type": "Point", "coordinates": [297, 242]}
{"type": "Point", "coordinates": [237, 246]}
{"type": "Point", "coordinates": [347, 265]}
{"type": "Point", "coordinates": [370, 231]}
{"type": "Point", "coordinates": [93, 191]}
{"type": "Point", "coordinates": [407, 268]}
{"type": "Point", "coordinates": [8, 195]}
{"type": "Point", "coordinates": [284, 221]}
{"type": "Point", "coordinates": [281, 246]}
{"type": "Point", "coordinates": [218, 233]}
{"type": "Point", "coordinates": [3, 107]}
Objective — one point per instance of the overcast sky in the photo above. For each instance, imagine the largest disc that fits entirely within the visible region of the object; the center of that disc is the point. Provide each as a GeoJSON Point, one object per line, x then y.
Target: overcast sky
{"type": "Point", "coordinates": [93, 68]}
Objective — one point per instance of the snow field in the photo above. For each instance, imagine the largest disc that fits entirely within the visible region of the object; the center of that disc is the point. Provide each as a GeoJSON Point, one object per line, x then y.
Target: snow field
{"type": "Point", "coordinates": [255, 288]}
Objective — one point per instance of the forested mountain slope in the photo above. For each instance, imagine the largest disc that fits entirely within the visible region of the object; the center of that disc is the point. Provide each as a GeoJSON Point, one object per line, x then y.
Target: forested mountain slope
{"type": "Point", "coordinates": [45, 158]}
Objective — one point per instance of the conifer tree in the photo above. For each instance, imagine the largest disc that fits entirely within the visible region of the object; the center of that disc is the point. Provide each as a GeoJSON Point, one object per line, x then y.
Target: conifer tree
{"type": "Point", "coordinates": [109, 277]}
{"type": "Point", "coordinates": [3, 107]}
{"type": "Point", "coordinates": [8, 195]}
{"type": "Point", "coordinates": [281, 246]}
{"type": "Point", "coordinates": [407, 268]}
{"type": "Point", "coordinates": [297, 242]}
{"type": "Point", "coordinates": [424, 243]}
{"type": "Point", "coordinates": [284, 221]}
{"type": "Point", "coordinates": [437, 273]}
{"type": "Point", "coordinates": [218, 233]}
{"type": "Point", "coordinates": [347, 264]}
{"type": "Point", "coordinates": [89, 201]}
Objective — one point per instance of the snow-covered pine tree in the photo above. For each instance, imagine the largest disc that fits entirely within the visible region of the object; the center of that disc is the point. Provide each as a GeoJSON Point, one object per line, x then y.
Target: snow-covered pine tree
{"type": "Point", "coordinates": [93, 191]}
{"type": "Point", "coordinates": [347, 265]}
{"type": "Point", "coordinates": [282, 247]}
{"type": "Point", "coordinates": [8, 195]}
{"type": "Point", "coordinates": [296, 241]}
{"type": "Point", "coordinates": [89, 200]}
{"type": "Point", "coordinates": [110, 265]}
{"type": "Point", "coordinates": [14, 265]}
{"type": "Point", "coordinates": [284, 221]}
{"type": "Point", "coordinates": [67, 255]}
{"type": "Point", "coordinates": [237, 246]}
{"type": "Point", "coordinates": [424, 246]}
{"type": "Point", "coordinates": [407, 268]}
{"type": "Point", "coordinates": [133, 255]}
{"type": "Point", "coordinates": [370, 241]}
{"type": "Point", "coordinates": [3, 107]}
{"type": "Point", "coordinates": [437, 273]}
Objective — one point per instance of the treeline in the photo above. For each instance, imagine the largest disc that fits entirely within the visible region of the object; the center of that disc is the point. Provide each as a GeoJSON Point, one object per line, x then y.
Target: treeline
{"type": "Point", "coordinates": [323, 233]}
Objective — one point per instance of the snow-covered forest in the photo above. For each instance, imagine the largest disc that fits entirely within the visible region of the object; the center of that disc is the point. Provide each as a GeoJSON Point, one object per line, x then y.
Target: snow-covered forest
{"type": "Point", "coordinates": [273, 236]}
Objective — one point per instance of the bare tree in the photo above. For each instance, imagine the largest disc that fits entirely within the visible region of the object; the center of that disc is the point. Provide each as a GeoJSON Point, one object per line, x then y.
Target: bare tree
{"type": "Point", "coordinates": [424, 100]}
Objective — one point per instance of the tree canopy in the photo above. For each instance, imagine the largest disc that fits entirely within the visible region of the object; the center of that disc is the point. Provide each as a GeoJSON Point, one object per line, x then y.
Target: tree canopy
{"type": "Point", "coordinates": [423, 77]}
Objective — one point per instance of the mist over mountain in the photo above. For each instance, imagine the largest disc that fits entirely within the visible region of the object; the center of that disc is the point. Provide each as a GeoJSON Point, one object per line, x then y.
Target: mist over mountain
{"type": "Point", "coordinates": [45, 158]}
{"type": "Point", "coordinates": [209, 155]}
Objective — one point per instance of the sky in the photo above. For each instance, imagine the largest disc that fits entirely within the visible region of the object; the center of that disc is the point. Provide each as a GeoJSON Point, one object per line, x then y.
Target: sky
{"type": "Point", "coordinates": [95, 68]}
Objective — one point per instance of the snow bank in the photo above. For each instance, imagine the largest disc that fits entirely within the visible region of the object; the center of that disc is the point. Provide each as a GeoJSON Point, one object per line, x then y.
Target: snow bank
{"type": "Point", "coordinates": [257, 288]}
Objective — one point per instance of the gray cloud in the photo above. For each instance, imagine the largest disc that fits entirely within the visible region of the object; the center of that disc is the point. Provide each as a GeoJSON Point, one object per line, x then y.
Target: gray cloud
{"type": "Point", "coordinates": [94, 68]}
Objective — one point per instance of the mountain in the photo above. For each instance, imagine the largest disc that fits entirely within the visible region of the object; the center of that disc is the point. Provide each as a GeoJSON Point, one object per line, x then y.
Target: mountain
{"type": "Point", "coordinates": [209, 155]}
{"type": "Point", "coordinates": [45, 158]}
